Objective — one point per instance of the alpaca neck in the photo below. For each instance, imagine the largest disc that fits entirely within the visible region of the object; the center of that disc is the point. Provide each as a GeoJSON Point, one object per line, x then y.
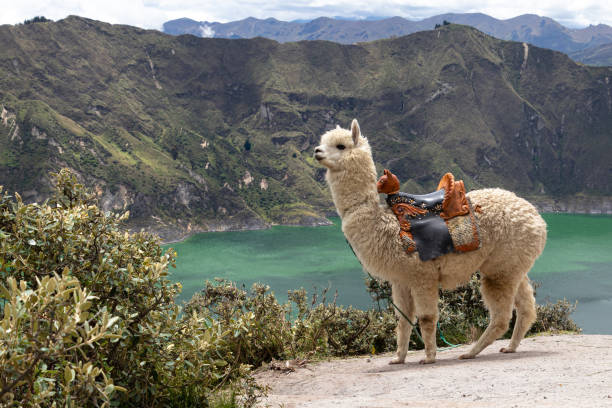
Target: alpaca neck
{"type": "Point", "coordinates": [353, 190]}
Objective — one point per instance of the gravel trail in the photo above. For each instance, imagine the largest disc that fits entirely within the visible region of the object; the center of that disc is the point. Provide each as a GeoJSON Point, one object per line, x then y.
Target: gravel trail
{"type": "Point", "coordinates": [546, 371]}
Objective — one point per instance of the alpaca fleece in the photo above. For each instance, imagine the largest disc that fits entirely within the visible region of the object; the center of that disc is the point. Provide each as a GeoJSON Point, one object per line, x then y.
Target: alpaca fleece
{"type": "Point", "coordinates": [512, 236]}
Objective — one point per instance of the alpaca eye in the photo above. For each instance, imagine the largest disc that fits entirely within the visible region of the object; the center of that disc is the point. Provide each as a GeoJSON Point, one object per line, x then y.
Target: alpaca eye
{"type": "Point", "coordinates": [340, 147]}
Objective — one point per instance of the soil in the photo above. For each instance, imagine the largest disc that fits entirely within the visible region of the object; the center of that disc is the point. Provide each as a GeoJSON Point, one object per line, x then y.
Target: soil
{"type": "Point", "coordinates": [546, 371]}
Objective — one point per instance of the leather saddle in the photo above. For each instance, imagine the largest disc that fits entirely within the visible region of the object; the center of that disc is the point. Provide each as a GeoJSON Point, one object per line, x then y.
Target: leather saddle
{"type": "Point", "coordinates": [425, 220]}
{"type": "Point", "coordinates": [449, 198]}
{"type": "Point", "coordinates": [428, 201]}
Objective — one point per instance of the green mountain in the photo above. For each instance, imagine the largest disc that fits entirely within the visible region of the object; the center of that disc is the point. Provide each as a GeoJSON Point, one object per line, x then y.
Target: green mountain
{"type": "Point", "coordinates": [193, 134]}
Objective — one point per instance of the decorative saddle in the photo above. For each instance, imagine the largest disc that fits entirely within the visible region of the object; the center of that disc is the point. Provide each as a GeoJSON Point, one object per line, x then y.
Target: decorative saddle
{"type": "Point", "coordinates": [433, 224]}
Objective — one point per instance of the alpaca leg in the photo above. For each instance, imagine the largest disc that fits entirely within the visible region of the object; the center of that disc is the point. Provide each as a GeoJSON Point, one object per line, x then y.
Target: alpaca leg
{"type": "Point", "coordinates": [499, 298]}
{"type": "Point", "coordinates": [426, 303]}
{"type": "Point", "coordinates": [403, 300]}
{"type": "Point", "coordinates": [427, 324]}
{"type": "Point", "coordinates": [524, 302]}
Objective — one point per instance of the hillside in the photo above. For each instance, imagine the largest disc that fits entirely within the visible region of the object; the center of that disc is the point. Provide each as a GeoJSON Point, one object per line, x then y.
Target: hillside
{"type": "Point", "coordinates": [540, 31]}
{"type": "Point", "coordinates": [597, 55]}
{"type": "Point", "coordinates": [194, 134]}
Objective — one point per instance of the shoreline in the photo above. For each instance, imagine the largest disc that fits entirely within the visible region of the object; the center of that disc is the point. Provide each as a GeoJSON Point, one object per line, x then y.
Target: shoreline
{"type": "Point", "coordinates": [547, 210]}
{"type": "Point", "coordinates": [266, 227]}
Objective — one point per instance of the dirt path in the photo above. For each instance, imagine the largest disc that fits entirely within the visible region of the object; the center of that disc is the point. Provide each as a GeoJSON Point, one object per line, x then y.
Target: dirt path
{"type": "Point", "coordinates": [548, 371]}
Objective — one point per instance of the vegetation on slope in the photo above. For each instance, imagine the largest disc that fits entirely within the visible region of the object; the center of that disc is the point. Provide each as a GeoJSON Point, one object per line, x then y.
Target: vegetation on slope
{"type": "Point", "coordinates": [89, 317]}
{"type": "Point", "coordinates": [159, 125]}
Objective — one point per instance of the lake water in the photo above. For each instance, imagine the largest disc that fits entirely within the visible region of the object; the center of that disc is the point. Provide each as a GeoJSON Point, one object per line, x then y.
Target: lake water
{"type": "Point", "coordinates": [576, 264]}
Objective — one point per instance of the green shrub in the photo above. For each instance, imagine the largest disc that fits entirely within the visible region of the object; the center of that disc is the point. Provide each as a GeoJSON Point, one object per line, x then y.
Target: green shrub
{"type": "Point", "coordinates": [555, 317]}
{"type": "Point", "coordinates": [264, 329]}
{"type": "Point", "coordinates": [44, 336]}
{"type": "Point", "coordinates": [463, 314]}
{"type": "Point", "coordinates": [329, 329]}
{"type": "Point", "coordinates": [256, 321]}
{"type": "Point", "coordinates": [158, 356]}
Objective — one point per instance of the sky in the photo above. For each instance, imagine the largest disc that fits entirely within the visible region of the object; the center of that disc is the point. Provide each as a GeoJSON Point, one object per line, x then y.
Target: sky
{"type": "Point", "coordinates": [153, 13]}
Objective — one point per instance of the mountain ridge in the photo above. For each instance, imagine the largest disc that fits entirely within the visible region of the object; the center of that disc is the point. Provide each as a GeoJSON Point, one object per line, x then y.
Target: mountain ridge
{"type": "Point", "coordinates": [194, 134]}
{"type": "Point", "coordinates": [540, 31]}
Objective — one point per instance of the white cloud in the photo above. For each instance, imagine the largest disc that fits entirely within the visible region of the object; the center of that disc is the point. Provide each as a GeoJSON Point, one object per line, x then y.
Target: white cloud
{"type": "Point", "coordinates": [206, 31]}
{"type": "Point", "coordinates": [153, 13]}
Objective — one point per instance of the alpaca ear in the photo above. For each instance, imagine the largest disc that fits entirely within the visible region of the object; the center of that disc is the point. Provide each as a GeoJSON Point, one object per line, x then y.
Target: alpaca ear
{"type": "Point", "coordinates": [386, 172]}
{"type": "Point", "coordinates": [355, 132]}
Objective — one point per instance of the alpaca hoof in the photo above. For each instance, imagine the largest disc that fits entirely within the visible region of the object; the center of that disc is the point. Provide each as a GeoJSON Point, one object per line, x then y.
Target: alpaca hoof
{"type": "Point", "coordinates": [427, 360]}
{"type": "Point", "coordinates": [506, 350]}
{"type": "Point", "coordinates": [466, 357]}
{"type": "Point", "coordinates": [397, 360]}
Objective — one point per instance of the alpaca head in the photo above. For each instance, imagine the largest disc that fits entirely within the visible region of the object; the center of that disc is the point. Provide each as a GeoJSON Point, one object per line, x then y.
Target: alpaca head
{"type": "Point", "coordinates": [343, 149]}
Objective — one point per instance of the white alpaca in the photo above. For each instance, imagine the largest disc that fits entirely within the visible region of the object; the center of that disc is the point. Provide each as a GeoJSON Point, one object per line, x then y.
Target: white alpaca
{"type": "Point", "coordinates": [512, 235]}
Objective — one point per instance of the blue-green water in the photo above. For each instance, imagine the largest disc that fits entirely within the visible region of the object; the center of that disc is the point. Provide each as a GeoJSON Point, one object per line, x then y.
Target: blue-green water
{"type": "Point", "coordinates": [576, 264]}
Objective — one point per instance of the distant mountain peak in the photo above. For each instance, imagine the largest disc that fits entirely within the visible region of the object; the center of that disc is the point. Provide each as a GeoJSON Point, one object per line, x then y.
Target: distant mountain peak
{"type": "Point", "coordinates": [531, 28]}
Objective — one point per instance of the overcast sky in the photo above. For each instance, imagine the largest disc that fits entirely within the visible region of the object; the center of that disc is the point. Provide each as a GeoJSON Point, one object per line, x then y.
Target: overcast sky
{"type": "Point", "coordinates": [153, 13]}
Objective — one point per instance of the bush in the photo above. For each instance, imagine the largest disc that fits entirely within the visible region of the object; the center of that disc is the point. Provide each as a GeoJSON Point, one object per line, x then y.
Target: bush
{"type": "Point", "coordinates": [265, 330]}
{"type": "Point", "coordinates": [555, 317]}
{"type": "Point", "coordinates": [463, 314]}
{"type": "Point", "coordinates": [44, 358]}
{"type": "Point", "coordinates": [158, 356]}
{"type": "Point", "coordinates": [328, 329]}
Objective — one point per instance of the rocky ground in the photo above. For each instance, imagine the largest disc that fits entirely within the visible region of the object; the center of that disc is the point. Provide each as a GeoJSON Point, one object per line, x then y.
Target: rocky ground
{"type": "Point", "coordinates": [547, 371]}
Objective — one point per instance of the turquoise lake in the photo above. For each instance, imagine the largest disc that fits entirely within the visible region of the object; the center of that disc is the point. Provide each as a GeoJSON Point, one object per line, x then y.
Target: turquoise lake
{"type": "Point", "coordinates": [576, 264]}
